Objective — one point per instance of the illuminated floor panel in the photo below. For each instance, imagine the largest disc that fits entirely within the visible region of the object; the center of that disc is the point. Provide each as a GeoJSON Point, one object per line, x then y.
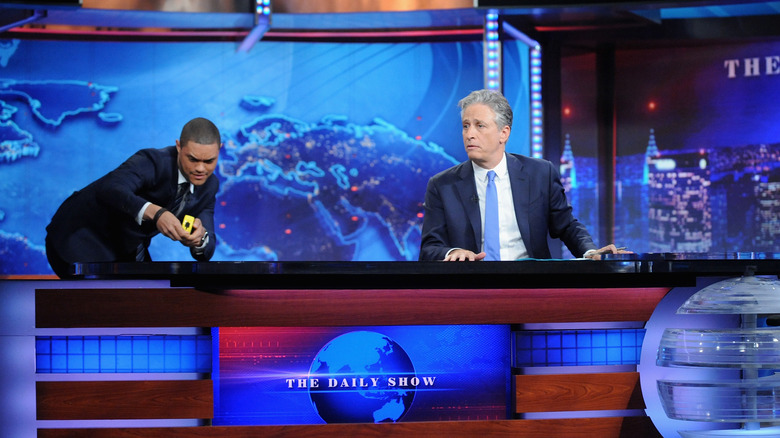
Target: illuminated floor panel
{"type": "Point", "coordinates": [123, 354]}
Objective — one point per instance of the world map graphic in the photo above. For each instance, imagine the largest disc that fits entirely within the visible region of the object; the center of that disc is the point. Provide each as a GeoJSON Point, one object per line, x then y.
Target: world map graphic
{"type": "Point", "coordinates": [52, 102]}
{"type": "Point", "coordinates": [290, 189]}
{"type": "Point", "coordinates": [324, 188]}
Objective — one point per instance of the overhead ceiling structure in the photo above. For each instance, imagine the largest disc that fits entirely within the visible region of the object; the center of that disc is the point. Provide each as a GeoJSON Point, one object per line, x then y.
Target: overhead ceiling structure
{"type": "Point", "coordinates": [589, 23]}
{"type": "Point", "coordinates": [215, 19]}
{"type": "Point", "coordinates": [573, 22]}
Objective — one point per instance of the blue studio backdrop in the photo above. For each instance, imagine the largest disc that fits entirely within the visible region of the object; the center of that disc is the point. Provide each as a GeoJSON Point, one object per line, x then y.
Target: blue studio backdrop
{"type": "Point", "coordinates": [327, 147]}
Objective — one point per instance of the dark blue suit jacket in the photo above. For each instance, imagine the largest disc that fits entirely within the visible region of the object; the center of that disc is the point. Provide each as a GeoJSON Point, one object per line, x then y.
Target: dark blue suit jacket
{"type": "Point", "coordinates": [452, 218]}
{"type": "Point", "coordinates": [97, 223]}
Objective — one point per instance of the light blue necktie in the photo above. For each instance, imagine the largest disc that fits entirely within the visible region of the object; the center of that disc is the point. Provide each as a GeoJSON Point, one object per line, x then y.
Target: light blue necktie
{"type": "Point", "coordinates": [492, 242]}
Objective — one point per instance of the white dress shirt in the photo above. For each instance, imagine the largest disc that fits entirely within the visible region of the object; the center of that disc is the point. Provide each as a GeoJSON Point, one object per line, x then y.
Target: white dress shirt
{"type": "Point", "coordinates": [139, 218]}
{"type": "Point", "coordinates": [512, 246]}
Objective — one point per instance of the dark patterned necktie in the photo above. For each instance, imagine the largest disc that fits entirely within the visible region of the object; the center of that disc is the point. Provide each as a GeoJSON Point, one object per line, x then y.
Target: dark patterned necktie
{"type": "Point", "coordinates": [182, 194]}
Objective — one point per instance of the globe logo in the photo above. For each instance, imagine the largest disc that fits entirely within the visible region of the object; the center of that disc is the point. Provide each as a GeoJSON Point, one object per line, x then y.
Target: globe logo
{"type": "Point", "coordinates": [365, 377]}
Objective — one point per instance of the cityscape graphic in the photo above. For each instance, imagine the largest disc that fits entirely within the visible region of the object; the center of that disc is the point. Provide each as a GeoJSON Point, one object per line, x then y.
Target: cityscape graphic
{"type": "Point", "coordinates": [694, 201]}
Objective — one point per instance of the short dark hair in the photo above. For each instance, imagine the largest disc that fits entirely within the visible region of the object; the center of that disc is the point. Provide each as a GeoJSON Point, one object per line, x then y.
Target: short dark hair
{"type": "Point", "coordinates": [201, 131]}
{"type": "Point", "coordinates": [494, 100]}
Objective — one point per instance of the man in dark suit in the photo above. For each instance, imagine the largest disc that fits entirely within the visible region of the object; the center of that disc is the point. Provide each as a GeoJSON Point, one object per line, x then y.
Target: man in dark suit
{"type": "Point", "coordinates": [531, 199]}
{"type": "Point", "coordinates": [114, 218]}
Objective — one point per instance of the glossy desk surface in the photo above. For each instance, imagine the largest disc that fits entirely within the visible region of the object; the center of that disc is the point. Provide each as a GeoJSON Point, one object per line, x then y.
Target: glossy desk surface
{"type": "Point", "coordinates": [627, 270]}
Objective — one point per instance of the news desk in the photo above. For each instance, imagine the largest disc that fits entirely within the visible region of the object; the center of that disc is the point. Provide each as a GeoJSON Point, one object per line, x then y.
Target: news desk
{"type": "Point", "coordinates": [624, 288]}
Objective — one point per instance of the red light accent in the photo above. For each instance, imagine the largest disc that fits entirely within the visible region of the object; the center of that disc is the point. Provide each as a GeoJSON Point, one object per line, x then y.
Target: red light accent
{"type": "Point", "coordinates": [288, 231]}
{"type": "Point", "coordinates": [354, 218]}
{"type": "Point", "coordinates": [572, 28]}
{"type": "Point", "coordinates": [135, 33]}
{"type": "Point", "coordinates": [567, 111]}
{"type": "Point", "coordinates": [354, 188]}
{"type": "Point", "coordinates": [222, 203]}
{"type": "Point", "coordinates": [222, 226]}
{"type": "Point", "coordinates": [418, 137]}
{"type": "Point", "coordinates": [419, 215]}
{"type": "Point", "coordinates": [241, 34]}
{"type": "Point", "coordinates": [651, 105]}
{"type": "Point", "coordinates": [377, 34]}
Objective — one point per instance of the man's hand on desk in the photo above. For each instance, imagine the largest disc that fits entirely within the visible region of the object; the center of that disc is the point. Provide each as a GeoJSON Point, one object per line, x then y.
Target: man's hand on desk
{"type": "Point", "coordinates": [462, 255]}
{"type": "Point", "coordinates": [595, 254]}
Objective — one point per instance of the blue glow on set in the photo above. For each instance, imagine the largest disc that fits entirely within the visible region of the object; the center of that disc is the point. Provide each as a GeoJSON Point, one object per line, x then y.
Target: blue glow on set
{"type": "Point", "coordinates": [123, 354]}
{"type": "Point", "coordinates": [175, 353]}
{"type": "Point", "coordinates": [492, 52]}
{"type": "Point", "coordinates": [550, 348]}
{"type": "Point", "coordinates": [263, 7]}
{"type": "Point", "coordinates": [537, 143]}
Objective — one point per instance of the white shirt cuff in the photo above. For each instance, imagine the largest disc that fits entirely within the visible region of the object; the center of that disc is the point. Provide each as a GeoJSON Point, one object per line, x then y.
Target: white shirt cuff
{"type": "Point", "coordinates": [139, 218]}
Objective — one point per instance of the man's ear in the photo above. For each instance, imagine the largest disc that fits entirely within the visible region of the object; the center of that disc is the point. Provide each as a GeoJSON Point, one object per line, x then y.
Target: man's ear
{"type": "Point", "coordinates": [503, 136]}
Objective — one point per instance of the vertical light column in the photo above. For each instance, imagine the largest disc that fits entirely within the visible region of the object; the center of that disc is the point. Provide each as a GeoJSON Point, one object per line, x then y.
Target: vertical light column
{"type": "Point", "coordinates": [492, 51]}
{"type": "Point", "coordinates": [262, 24]}
{"type": "Point", "coordinates": [263, 9]}
{"type": "Point", "coordinates": [534, 87]}
{"type": "Point", "coordinates": [537, 119]}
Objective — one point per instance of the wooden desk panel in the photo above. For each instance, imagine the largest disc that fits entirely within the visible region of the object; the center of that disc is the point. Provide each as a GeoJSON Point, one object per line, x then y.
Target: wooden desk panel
{"type": "Point", "coordinates": [189, 307]}
{"type": "Point", "coordinates": [185, 307]}
{"type": "Point", "coordinates": [577, 392]}
{"type": "Point", "coordinates": [570, 428]}
{"type": "Point", "coordinates": [111, 400]}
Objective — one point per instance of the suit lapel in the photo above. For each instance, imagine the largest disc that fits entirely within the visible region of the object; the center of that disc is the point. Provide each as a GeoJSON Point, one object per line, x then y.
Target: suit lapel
{"type": "Point", "coordinates": [467, 190]}
{"type": "Point", "coordinates": [521, 196]}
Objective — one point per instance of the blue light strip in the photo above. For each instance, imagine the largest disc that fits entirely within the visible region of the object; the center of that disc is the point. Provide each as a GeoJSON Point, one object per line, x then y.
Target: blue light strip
{"type": "Point", "coordinates": [193, 353]}
{"type": "Point", "coordinates": [262, 24]}
{"type": "Point", "coordinates": [556, 348]}
{"type": "Point", "coordinates": [263, 8]}
{"type": "Point", "coordinates": [492, 51]}
{"type": "Point", "coordinates": [123, 354]}
{"type": "Point", "coordinates": [535, 75]}
{"type": "Point", "coordinates": [520, 36]}
{"type": "Point", "coordinates": [537, 119]}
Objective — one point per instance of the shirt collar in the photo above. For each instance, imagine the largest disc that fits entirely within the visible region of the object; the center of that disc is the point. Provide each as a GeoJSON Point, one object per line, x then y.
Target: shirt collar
{"type": "Point", "coordinates": [182, 179]}
{"type": "Point", "coordinates": [480, 173]}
